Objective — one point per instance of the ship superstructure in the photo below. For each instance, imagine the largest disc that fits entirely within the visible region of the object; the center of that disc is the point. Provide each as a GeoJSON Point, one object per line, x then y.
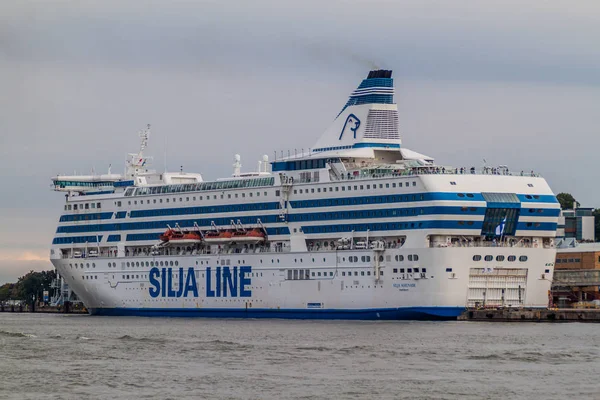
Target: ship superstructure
{"type": "Point", "coordinates": [358, 227]}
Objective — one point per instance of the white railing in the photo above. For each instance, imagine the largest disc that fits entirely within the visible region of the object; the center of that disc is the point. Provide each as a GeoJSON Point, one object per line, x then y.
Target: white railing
{"type": "Point", "coordinates": [490, 244]}
{"type": "Point", "coordinates": [349, 176]}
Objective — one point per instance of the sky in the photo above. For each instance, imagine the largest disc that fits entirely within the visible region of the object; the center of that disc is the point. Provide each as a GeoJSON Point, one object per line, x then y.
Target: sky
{"type": "Point", "coordinates": [511, 82]}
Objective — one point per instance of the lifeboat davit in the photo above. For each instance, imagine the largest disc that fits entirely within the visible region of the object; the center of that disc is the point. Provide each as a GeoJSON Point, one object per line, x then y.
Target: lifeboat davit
{"type": "Point", "coordinates": [218, 237]}
{"type": "Point", "coordinates": [252, 236]}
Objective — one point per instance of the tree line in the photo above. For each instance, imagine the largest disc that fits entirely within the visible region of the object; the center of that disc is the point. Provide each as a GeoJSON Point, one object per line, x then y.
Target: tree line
{"type": "Point", "coordinates": [30, 287]}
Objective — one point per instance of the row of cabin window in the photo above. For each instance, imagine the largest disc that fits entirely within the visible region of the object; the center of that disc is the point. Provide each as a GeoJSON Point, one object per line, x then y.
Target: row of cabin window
{"type": "Point", "coordinates": [82, 206]}
{"type": "Point", "coordinates": [81, 265]}
{"type": "Point", "coordinates": [411, 257]}
{"type": "Point", "coordinates": [349, 188]}
{"type": "Point", "coordinates": [193, 198]}
{"type": "Point", "coordinates": [355, 214]}
{"type": "Point", "coordinates": [408, 270]}
{"type": "Point", "coordinates": [204, 209]}
{"type": "Point", "coordinates": [361, 227]}
{"type": "Point", "coordinates": [500, 258]}
{"type": "Point", "coordinates": [356, 200]}
{"type": "Point", "coordinates": [304, 274]}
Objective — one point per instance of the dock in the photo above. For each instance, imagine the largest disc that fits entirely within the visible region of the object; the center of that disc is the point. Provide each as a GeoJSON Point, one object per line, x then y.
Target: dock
{"type": "Point", "coordinates": [67, 308]}
{"type": "Point", "coordinates": [531, 315]}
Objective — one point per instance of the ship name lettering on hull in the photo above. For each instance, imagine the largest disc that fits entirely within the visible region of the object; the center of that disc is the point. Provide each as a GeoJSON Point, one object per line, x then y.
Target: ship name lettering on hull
{"type": "Point", "coordinates": [223, 282]}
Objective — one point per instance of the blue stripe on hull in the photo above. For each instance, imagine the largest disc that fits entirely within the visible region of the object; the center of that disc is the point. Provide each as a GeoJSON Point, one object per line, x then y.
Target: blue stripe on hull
{"type": "Point", "coordinates": [405, 313]}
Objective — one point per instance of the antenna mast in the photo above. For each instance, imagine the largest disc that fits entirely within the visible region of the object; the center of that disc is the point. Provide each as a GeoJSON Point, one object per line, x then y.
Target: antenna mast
{"type": "Point", "coordinates": [144, 135]}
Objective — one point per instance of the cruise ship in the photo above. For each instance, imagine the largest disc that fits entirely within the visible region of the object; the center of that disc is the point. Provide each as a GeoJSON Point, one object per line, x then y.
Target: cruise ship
{"type": "Point", "coordinates": [357, 227]}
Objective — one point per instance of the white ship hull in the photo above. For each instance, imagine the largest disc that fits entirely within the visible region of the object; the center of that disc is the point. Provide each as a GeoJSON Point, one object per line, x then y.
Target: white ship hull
{"type": "Point", "coordinates": [356, 294]}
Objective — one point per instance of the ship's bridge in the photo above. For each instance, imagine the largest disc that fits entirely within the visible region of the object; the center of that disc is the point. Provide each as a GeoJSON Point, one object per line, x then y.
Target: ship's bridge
{"type": "Point", "coordinates": [89, 184]}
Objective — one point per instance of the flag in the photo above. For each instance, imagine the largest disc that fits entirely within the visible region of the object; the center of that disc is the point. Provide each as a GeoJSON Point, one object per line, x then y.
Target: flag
{"type": "Point", "coordinates": [500, 228]}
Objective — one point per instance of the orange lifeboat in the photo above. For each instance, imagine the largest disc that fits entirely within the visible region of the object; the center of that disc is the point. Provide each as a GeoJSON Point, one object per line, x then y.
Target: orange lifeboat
{"type": "Point", "coordinates": [218, 237]}
{"type": "Point", "coordinates": [169, 233]}
{"type": "Point", "coordinates": [173, 236]}
{"type": "Point", "coordinates": [187, 238]}
{"type": "Point", "coordinates": [251, 236]}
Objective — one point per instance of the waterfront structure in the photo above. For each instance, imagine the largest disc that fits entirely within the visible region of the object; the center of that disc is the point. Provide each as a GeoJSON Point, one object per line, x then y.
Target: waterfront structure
{"type": "Point", "coordinates": [577, 273]}
{"type": "Point", "coordinates": [579, 256]}
{"type": "Point", "coordinates": [578, 223]}
{"type": "Point", "coordinates": [62, 292]}
{"type": "Point", "coordinates": [359, 227]}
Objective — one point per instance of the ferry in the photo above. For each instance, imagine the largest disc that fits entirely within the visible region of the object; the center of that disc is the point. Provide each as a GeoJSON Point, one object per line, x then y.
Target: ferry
{"type": "Point", "coordinates": [357, 227]}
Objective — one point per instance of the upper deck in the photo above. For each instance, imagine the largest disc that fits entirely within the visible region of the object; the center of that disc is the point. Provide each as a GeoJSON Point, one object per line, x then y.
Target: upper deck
{"type": "Point", "coordinates": [358, 182]}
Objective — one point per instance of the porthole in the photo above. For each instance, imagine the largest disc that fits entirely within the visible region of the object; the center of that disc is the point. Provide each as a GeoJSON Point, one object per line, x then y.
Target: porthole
{"type": "Point", "coordinates": [489, 258]}
{"type": "Point", "coordinates": [499, 258]}
{"type": "Point", "coordinates": [401, 257]}
{"type": "Point", "coordinates": [176, 263]}
{"type": "Point", "coordinates": [512, 258]}
{"type": "Point", "coordinates": [477, 257]}
{"type": "Point", "coordinates": [523, 258]}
